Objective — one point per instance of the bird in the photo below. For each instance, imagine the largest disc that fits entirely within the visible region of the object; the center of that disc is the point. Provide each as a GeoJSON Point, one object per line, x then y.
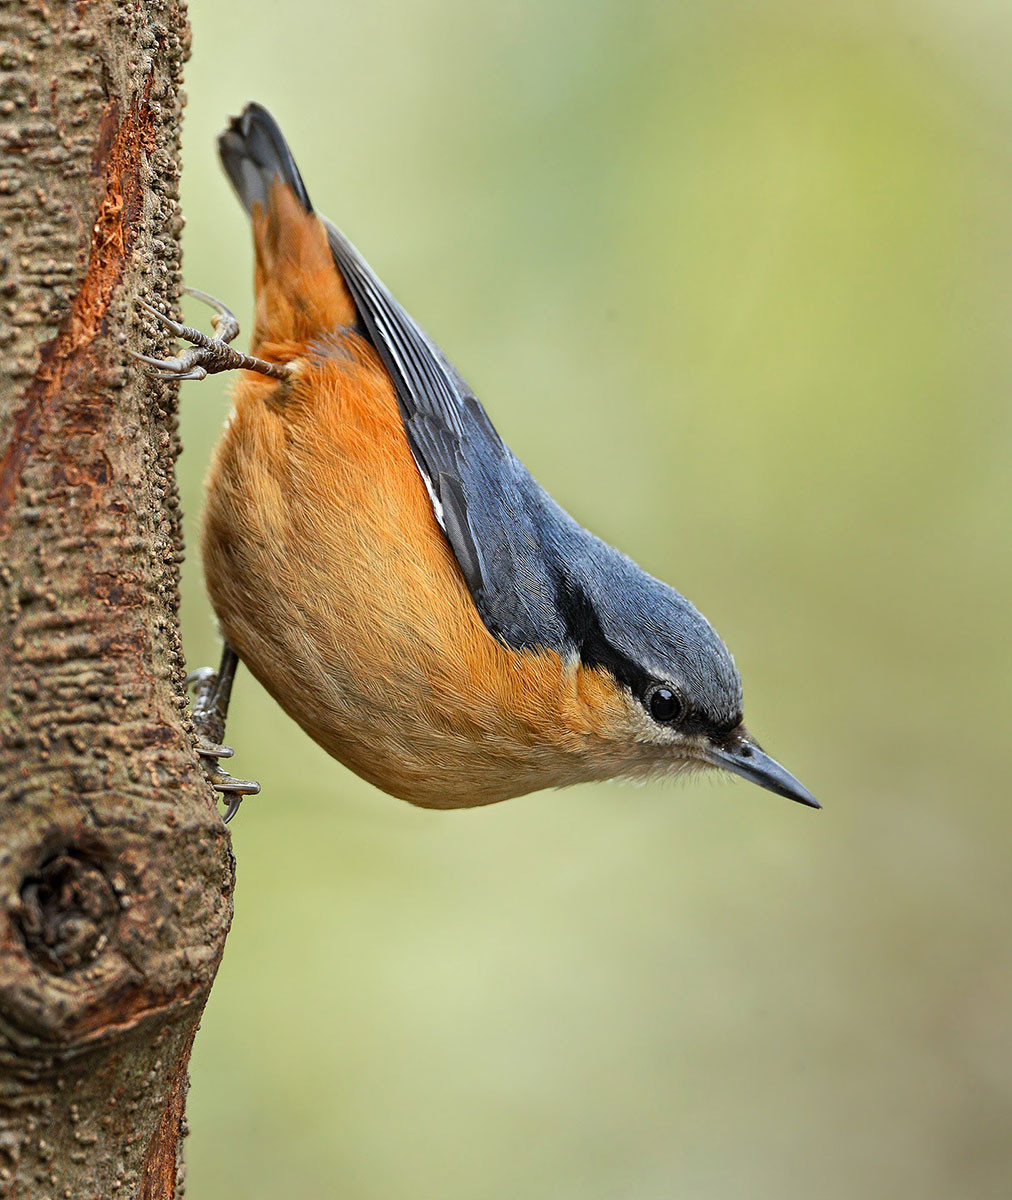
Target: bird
{"type": "Point", "coordinates": [393, 575]}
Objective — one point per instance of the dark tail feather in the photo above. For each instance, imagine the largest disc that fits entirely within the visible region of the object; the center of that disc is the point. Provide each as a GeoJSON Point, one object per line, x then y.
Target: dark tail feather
{"type": "Point", "coordinates": [253, 150]}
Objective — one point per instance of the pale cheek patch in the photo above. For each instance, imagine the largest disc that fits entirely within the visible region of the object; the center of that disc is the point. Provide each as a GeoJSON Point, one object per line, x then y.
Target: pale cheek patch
{"type": "Point", "coordinates": [652, 774]}
{"type": "Point", "coordinates": [672, 768]}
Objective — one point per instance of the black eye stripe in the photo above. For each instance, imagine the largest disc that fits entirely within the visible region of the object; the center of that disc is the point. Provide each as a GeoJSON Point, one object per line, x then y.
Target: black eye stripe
{"type": "Point", "coordinates": [594, 648]}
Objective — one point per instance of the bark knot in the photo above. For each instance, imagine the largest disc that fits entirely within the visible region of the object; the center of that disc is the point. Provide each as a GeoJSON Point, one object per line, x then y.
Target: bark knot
{"type": "Point", "coordinates": [68, 912]}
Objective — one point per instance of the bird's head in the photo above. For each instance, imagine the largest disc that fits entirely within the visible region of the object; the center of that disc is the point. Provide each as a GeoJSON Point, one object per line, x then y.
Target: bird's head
{"type": "Point", "coordinates": [677, 692]}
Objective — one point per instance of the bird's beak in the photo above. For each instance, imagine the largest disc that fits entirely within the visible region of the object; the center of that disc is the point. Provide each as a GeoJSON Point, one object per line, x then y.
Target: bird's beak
{"type": "Point", "coordinates": [742, 755]}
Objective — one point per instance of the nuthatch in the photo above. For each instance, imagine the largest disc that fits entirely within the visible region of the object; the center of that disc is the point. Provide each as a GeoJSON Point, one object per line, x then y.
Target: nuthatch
{"type": "Point", "coordinates": [394, 576]}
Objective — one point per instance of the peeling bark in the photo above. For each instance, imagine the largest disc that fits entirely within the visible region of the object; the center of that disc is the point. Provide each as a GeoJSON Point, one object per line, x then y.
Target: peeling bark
{"type": "Point", "coordinates": [116, 872]}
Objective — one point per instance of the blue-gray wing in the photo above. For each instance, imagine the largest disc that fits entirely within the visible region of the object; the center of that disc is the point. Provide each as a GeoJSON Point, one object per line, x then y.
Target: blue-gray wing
{"type": "Point", "coordinates": [503, 528]}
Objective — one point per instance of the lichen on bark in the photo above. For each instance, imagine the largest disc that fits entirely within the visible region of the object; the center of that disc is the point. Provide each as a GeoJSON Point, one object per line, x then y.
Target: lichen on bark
{"type": "Point", "coordinates": [116, 873]}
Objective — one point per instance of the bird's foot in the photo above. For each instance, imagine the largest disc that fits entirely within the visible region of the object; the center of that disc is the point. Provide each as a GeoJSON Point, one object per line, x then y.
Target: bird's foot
{"type": "Point", "coordinates": [207, 355]}
{"type": "Point", "coordinates": [233, 790]}
{"type": "Point", "coordinates": [210, 705]}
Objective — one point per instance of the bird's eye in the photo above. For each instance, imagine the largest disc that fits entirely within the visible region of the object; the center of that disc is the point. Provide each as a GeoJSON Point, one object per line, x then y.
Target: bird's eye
{"type": "Point", "coordinates": [664, 705]}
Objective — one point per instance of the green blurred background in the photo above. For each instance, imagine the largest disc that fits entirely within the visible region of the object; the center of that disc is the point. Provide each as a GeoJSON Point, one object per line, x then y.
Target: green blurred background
{"type": "Point", "coordinates": [734, 277]}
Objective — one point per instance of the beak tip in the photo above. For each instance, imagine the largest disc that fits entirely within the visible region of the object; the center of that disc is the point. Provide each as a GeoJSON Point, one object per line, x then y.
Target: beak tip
{"type": "Point", "coordinates": [755, 765]}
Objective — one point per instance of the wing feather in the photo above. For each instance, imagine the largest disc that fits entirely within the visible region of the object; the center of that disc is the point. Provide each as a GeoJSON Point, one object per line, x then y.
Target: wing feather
{"type": "Point", "coordinates": [506, 533]}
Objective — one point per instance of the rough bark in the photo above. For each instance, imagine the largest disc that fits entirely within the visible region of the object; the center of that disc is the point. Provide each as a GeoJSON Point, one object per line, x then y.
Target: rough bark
{"type": "Point", "coordinates": [115, 870]}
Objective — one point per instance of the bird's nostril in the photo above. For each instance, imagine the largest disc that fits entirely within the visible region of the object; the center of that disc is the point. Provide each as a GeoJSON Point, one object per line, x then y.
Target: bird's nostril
{"type": "Point", "coordinates": [745, 751]}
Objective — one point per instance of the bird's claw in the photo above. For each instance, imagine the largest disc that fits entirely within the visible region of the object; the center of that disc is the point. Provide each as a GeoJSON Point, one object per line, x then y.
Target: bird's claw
{"type": "Point", "coordinates": [233, 790]}
{"type": "Point", "coordinates": [207, 355]}
{"type": "Point", "coordinates": [171, 368]}
{"type": "Point", "coordinates": [214, 750]}
{"type": "Point", "coordinates": [208, 717]}
{"type": "Point", "coordinates": [202, 675]}
{"type": "Point", "coordinates": [224, 322]}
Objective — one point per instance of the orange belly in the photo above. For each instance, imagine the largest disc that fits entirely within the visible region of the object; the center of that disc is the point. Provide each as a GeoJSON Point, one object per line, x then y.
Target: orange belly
{"type": "Point", "coordinates": [336, 587]}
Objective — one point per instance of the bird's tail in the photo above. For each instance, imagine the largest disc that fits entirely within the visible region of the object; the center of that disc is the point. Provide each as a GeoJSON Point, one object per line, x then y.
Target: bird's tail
{"type": "Point", "coordinates": [300, 293]}
{"type": "Point", "coordinates": [253, 152]}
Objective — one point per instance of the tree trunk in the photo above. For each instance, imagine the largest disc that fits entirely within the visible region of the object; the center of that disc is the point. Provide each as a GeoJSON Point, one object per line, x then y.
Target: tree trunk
{"type": "Point", "coordinates": [116, 872]}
